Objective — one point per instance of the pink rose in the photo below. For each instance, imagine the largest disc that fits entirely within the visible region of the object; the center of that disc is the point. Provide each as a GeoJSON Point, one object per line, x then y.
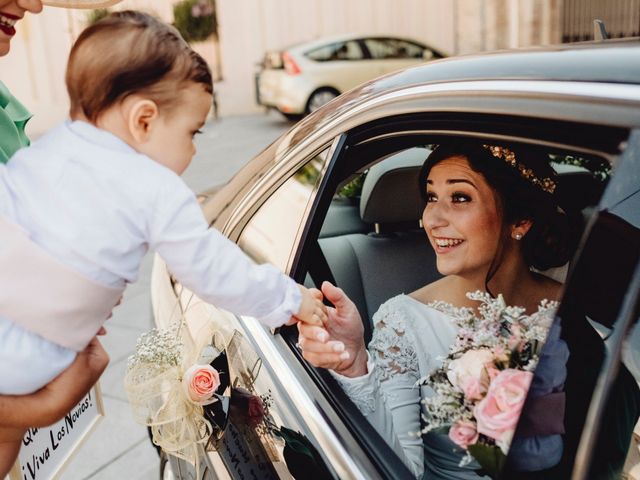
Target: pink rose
{"type": "Point", "coordinates": [255, 412]}
{"type": "Point", "coordinates": [497, 414]}
{"type": "Point", "coordinates": [474, 389]}
{"type": "Point", "coordinates": [200, 383]}
{"type": "Point", "coordinates": [515, 341]}
{"type": "Point", "coordinates": [463, 434]}
{"type": "Point", "coordinates": [493, 373]}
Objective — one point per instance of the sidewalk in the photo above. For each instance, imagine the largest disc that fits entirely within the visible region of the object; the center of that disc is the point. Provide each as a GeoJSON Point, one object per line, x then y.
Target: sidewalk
{"type": "Point", "coordinates": [119, 448]}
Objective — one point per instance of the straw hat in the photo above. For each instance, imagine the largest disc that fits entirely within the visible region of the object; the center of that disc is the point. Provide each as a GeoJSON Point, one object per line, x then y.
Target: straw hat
{"type": "Point", "coordinates": [80, 3]}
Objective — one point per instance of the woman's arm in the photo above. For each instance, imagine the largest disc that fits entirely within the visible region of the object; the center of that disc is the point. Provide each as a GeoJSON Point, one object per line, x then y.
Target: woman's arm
{"type": "Point", "coordinates": [58, 397]}
{"type": "Point", "coordinates": [382, 384]}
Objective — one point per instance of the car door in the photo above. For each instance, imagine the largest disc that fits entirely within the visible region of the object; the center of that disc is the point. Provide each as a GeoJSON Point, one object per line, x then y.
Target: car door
{"type": "Point", "coordinates": [340, 65]}
{"type": "Point", "coordinates": [599, 314]}
{"type": "Point", "coordinates": [277, 424]}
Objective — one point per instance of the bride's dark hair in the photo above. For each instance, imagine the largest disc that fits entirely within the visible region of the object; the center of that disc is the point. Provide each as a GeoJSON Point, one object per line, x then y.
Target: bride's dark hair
{"type": "Point", "coordinates": [554, 233]}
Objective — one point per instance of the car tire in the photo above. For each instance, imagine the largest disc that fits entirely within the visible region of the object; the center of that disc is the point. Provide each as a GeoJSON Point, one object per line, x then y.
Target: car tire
{"type": "Point", "coordinates": [292, 117]}
{"type": "Point", "coordinates": [319, 97]}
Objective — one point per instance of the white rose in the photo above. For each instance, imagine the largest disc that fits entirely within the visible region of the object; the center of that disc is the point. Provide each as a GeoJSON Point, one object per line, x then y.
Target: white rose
{"type": "Point", "coordinates": [471, 365]}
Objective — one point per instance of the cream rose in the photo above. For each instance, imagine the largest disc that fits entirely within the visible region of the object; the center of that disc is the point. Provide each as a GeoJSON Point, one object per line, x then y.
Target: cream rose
{"type": "Point", "coordinates": [469, 372]}
{"type": "Point", "coordinates": [200, 383]}
{"type": "Point", "coordinates": [498, 412]}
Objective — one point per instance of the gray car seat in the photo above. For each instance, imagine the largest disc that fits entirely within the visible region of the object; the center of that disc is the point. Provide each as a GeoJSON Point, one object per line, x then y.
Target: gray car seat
{"type": "Point", "coordinates": [396, 257]}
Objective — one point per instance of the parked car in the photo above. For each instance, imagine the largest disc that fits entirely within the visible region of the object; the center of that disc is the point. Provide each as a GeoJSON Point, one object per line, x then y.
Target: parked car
{"type": "Point", "coordinates": [300, 79]}
{"type": "Point", "coordinates": [297, 205]}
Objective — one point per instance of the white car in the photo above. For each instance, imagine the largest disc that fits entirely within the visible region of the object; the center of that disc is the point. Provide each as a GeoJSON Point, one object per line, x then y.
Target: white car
{"type": "Point", "coordinates": [300, 79]}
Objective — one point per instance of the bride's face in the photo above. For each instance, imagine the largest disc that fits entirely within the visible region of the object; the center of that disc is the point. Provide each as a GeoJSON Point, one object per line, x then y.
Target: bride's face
{"type": "Point", "coordinates": [461, 218]}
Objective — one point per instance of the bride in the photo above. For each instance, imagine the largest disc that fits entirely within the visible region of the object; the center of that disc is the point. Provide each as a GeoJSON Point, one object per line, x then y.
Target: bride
{"type": "Point", "coordinates": [491, 216]}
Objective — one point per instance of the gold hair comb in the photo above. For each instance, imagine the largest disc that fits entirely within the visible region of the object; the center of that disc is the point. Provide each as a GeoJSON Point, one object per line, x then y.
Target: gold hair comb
{"type": "Point", "coordinates": [547, 184]}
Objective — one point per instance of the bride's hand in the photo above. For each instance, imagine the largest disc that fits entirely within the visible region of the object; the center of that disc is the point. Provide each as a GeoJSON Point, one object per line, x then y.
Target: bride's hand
{"type": "Point", "coordinates": [338, 346]}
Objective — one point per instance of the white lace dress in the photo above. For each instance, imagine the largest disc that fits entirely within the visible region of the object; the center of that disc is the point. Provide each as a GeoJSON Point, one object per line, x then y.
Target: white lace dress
{"type": "Point", "coordinates": [409, 341]}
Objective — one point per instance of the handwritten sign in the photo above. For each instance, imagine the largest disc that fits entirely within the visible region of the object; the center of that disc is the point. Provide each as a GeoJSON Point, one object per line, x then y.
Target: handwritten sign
{"type": "Point", "coordinates": [45, 451]}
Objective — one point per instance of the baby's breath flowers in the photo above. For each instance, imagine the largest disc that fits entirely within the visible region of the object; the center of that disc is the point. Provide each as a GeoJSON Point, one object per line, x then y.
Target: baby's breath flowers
{"type": "Point", "coordinates": [162, 348]}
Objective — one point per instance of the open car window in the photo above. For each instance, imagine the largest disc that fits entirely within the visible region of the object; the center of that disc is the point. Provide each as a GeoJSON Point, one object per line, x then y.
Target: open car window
{"type": "Point", "coordinates": [373, 247]}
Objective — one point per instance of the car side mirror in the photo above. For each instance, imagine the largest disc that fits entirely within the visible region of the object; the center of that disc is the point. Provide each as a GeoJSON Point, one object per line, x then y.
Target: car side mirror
{"type": "Point", "coordinates": [427, 55]}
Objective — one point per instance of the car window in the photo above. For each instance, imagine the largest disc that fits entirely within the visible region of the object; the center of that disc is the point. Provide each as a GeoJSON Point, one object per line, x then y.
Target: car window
{"type": "Point", "coordinates": [372, 254]}
{"type": "Point", "coordinates": [384, 48]}
{"type": "Point", "coordinates": [271, 233]}
{"type": "Point", "coordinates": [336, 51]}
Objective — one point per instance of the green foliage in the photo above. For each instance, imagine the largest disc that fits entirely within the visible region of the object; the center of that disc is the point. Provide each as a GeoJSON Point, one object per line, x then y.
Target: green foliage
{"type": "Point", "coordinates": [353, 189]}
{"type": "Point", "coordinates": [309, 173]}
{"type": "Point", "coordinates": [600, 167]}
{"type": "Point", "coordinates": [96, 15]}
{"type": "Point", "coordinates": [490, 458]}
{"type": "Point", "coordinates": [195, 19]}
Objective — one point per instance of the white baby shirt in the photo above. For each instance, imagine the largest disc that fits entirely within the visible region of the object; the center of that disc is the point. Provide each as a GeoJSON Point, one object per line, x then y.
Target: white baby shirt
{"type": "Point", "coordinates": [97, 205]}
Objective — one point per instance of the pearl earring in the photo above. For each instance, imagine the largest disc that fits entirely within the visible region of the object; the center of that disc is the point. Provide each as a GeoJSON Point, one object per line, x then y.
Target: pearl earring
{"type": "Point", "coordinates": [517, 236]}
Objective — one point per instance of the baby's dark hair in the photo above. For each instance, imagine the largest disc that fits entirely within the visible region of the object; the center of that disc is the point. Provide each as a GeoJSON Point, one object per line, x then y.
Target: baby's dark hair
{"type": "Point", "coordinates": [130, 53]}
{"type": "Point", "coordinates": [554, 234]}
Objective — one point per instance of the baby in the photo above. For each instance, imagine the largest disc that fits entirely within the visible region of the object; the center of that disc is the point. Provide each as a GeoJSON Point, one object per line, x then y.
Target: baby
{"type": "Point", "coordinates": [81, 207]}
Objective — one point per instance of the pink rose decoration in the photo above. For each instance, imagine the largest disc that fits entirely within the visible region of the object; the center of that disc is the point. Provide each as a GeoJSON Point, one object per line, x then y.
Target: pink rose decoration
{"type": "Point", "coordinates": [497, 414]}
{"type": "Point", "coordinates": [200, 383]}
{"type": "Point", "coordinates": [463, 434]}
{"type": "Point", "coordinates": [516, 340]}
{"type": "Point", "coordinates": [255, 412]}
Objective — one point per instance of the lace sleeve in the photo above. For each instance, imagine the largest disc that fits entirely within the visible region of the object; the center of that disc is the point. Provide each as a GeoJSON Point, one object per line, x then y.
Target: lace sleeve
{"type": "Point", "coordinates": [391, 348]}
{"type": "Point", "coordinates": [388, 395]}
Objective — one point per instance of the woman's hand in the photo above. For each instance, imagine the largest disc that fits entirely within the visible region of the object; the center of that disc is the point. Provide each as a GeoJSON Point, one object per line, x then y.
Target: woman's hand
{"type": "Point", "coordinates": [338, 346]}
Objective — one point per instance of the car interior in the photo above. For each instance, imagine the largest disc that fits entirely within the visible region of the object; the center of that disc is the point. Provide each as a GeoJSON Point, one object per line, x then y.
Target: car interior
{"type": "Point", "coordinates": [372, 243]}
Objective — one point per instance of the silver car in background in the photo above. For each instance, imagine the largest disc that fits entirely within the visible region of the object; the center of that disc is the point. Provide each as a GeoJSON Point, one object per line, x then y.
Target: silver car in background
{"type": "Point", "coordinates": [300, 79]}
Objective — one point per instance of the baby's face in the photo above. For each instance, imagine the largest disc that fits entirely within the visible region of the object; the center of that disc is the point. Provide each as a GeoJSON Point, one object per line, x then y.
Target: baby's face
{"type": "Point", "coordinates": [171, 142]}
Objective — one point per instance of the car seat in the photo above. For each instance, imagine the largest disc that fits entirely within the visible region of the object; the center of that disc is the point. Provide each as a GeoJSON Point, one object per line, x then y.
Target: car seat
{"type": "Point", "coordinates": [395, 257]}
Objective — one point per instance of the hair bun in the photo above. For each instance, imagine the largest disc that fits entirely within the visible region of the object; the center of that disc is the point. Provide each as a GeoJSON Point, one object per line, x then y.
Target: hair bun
{"type": "Point", "coordinates": [552, 243]}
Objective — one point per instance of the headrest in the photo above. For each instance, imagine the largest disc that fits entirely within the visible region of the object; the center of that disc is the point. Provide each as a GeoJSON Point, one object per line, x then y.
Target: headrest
{"type": "Point", "coordinates": [390, 193]}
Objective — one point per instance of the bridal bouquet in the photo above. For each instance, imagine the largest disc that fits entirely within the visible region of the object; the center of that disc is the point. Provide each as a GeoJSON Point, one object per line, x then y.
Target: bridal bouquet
{"type": "Point", "coordinates": [480, 389]}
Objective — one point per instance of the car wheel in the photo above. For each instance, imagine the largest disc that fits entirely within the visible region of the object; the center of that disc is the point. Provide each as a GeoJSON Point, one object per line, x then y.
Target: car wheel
{"type": "Point", "coordinates": [320, 97]}
{"type": "Point", "coordinates": [292, 117]}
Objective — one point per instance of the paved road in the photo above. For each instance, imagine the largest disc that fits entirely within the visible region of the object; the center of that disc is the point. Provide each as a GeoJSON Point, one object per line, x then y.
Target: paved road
{"type": "Point", "coordinates": [119, 448]}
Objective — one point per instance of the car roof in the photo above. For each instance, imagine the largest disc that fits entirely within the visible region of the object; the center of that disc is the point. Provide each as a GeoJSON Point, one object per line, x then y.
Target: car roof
{"type": "Point", "coordinates": [320, 42]}
{"type": "Point", "coordinates": [615, 61]}
{"type": "Point", "coordinates": [611, 61]}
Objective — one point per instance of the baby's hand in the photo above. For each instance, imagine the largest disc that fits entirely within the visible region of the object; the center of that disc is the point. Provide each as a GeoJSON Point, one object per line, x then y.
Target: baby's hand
{"type": "Point", "coordinates": [312, 310]}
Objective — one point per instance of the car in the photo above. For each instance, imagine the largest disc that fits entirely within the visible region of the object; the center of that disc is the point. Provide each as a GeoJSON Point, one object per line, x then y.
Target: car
{"type": "Point", "coordinates": [300, 79]}
{"type": "Point", "coordinates": [334, 198]}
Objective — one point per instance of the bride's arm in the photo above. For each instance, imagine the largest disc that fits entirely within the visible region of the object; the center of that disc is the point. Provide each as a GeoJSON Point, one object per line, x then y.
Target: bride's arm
{"type": "Point", "coordinates": [387, 395]}
{"type": "Point", "coordinates": [381, 383]}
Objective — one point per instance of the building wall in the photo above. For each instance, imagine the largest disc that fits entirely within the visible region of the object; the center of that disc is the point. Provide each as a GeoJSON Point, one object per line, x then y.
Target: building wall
{"type": "Point", "coordinates": [250, 27]}
{"type": "Point", "coordinates": [34, 70]}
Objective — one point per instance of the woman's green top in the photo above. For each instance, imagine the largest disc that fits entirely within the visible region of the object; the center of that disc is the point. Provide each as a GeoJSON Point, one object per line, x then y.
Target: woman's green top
{"type": "Point", "coordinates": [13, 118]}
